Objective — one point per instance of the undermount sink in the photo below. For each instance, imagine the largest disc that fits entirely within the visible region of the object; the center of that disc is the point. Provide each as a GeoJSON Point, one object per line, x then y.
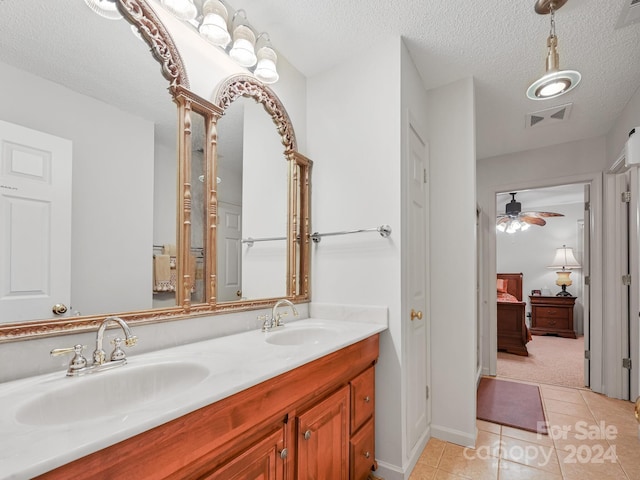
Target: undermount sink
{"type": "Point", "coordinates": [292, 335]}
{"type": "Point", "coordinates": [109, 392]}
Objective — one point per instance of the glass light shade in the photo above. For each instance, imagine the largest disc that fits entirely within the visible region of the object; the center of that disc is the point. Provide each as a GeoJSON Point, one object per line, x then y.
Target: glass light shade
{"type": "Point", "coordinates": [563, 278]}
{"type": "Point", "coordinates": [183, 9]}
{"type": "Point", "coordinates": [214, 23]}
{"type": "Point", "coordinates": [243, 50]}
{"type": "Point", "coordinates": [554, 84]}
{"type": "Point", "coordinates": [104, 8]}
{"type": "Point", "coordinates": [266, 70]}
{"type": "Point", "coordinates": [564, 259]}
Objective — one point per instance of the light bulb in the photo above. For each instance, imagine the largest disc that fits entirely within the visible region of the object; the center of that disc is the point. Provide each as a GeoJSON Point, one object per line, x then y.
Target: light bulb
{"type": "Point", "coordinates": [266, 69]}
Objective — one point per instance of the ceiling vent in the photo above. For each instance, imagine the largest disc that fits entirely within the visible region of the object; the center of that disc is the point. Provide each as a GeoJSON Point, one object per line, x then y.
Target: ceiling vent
{"type": "Point", "coordinates": [630, 13]}
{"type": "Point", "coordinates": [550, 115]}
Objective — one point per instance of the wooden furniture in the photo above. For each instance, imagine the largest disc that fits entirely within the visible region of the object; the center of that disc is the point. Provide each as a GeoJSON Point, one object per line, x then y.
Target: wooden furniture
{"type": "Point", "coordinates": [315, 421]}
{"type": "Point", "coordinates": [552, 316]}
{"type": "Point", "coordinates": [513, 334]}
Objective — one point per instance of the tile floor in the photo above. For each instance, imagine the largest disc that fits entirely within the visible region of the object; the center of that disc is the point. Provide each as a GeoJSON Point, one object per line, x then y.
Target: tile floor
{"type": "Point", "coordinates": [591, 437]}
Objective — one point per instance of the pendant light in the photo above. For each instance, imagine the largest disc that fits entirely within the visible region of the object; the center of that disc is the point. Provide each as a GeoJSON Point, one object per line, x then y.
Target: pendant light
{"type": "Point", "coordinates": [554, 82]}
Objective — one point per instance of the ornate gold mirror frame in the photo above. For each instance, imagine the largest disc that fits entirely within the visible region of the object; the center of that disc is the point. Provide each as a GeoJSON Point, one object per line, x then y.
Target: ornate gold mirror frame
{"type": "Point", "coordinates": [141, 15]}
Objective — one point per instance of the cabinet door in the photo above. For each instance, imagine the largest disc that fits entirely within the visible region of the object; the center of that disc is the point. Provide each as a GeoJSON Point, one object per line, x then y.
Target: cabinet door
{"type": "Point", "coordinates": [262, 461]}
{"type": "Point", "coordinates": [323, 439]}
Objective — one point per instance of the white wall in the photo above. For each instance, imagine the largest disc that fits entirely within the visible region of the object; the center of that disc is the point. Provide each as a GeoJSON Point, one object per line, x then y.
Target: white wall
{"type": "Point", "coordinates": [354, 124]}
{"type": "Point", "coordinates": [531, 251]}
{"type": "Point", "coordinates": [112, 212]}
{"type": "Point", "coordinates": [453, 261]}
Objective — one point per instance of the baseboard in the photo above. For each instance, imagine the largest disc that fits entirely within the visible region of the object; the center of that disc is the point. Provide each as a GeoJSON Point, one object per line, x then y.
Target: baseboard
{"type": "Point", "coordinates": [458, 437]}
{"type": "Point", "coordinates": [393, 472]}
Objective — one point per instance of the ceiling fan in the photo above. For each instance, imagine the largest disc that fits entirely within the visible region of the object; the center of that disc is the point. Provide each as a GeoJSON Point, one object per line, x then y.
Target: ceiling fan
{"type": "Point", "coordinates": [515, 219]}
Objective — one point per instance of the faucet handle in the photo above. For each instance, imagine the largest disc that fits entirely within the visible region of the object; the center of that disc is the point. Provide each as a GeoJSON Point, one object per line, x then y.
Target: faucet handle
{"type": "Point", "coordinates": [118, 353]}
{"type": "Point", "coordinates": [77, 362]}
{"type": "Point", "coordinates": [131, 341]}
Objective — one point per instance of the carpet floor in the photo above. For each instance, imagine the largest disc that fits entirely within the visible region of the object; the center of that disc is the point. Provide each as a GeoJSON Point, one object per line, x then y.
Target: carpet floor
{"type": "Point", "coordinates": [552, 360]}
{"type": "Point", "coordinates": [510, 403]}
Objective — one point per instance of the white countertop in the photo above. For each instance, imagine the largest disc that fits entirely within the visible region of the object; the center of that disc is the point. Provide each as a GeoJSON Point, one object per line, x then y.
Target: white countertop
{"type": "Point", "coordinates": [234, 362]}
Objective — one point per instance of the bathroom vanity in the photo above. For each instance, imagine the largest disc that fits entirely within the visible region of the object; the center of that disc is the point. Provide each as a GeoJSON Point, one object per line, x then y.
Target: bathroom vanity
{"type": "Point", "coordinates": [297, 402]}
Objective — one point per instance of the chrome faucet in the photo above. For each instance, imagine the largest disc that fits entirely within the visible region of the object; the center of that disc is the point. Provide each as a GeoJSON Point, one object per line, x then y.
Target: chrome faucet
{"type": "Point", "coordinates": [79, 366]}
{"type": "Point", "coordinates": [274, 320]}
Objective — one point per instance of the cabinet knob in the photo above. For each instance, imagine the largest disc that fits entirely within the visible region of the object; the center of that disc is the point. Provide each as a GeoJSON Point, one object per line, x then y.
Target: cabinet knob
{"type": "Point", "coordinates": [283, 453]}
{"type": "Point", "coordinates": [367, 399]}
{"type": "Point", "coordinates": [307, 435]}
{"type": "Point", "coordinates": [415, 314]}
{"type": "Point", "coordinates": [366, 454]}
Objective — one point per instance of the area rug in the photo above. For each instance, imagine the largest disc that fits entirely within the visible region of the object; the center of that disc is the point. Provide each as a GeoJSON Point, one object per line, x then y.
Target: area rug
{"type": "Point", "coordinates": [513, 404]}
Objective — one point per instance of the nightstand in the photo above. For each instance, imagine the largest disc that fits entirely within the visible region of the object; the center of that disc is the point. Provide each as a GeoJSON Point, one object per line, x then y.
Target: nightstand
{"type": "Point", "coordinates": [552, 315]}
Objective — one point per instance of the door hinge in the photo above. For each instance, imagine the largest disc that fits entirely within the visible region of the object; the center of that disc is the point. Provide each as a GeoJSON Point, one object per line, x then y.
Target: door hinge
{"type": "Point", "coordinates": [626, 363]}
{"type": "Point", "coordinates": [427, 391]}
{"type": "Point", "coordinates": [626, 197]}
{"type": "Point", "coordinates": [587, 354]}
{"type": "Point", "coordinates": [587, 280]}
{"type": "Point", "coordinates": [587, 206]}
{"type": "Point", "coordinates": [626, 280]}
{"type": "Point", "coordinates": [424, 175]}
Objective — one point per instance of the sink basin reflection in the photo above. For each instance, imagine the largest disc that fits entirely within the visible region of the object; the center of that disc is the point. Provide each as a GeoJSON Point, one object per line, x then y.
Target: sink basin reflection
{"type": "Point", "coordinates": [291, 335]}
{"type": "Point", "coordinates": [110, 392]}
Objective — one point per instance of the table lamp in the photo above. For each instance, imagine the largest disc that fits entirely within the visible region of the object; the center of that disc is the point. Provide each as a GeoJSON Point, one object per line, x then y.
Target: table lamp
{"type": "Point", "coordinates": [563, 263]}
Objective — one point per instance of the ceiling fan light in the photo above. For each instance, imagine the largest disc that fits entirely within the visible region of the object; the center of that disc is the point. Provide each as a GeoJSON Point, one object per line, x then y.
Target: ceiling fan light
{"type": "Point", "coordinates": [524, 226]}
{"type": "Point", "coordinates": [501, 227]}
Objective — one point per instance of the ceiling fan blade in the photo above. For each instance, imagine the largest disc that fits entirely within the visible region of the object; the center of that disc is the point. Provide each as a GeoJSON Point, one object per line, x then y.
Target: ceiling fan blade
{"type": "Point", "coordinates": [502, 219]}
{"type": "Point", "coordinates": [532, 220]}
{"type": "Point", "coordinates": [542, 214]}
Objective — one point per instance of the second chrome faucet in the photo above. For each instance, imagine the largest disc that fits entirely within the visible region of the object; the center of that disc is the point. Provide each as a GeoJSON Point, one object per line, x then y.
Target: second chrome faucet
{"type": "Point", "coordinates": [274, 320]}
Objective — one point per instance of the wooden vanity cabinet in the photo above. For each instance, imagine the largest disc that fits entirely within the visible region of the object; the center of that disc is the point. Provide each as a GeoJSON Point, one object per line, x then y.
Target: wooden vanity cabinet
{"type": "Point", "coordinates": [259, 433]}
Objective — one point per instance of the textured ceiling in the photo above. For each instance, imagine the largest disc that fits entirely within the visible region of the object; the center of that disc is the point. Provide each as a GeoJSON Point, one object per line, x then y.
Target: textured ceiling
{"type": "Point", "coordinates": [502, 44]}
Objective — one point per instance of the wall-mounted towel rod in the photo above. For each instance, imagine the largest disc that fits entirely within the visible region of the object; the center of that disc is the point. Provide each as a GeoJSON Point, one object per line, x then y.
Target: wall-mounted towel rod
{"type": "Point", "coordinates": [383, 230]}
{"type": "Point", "coordinates": [250, 241]}
{"type": "Point", "coordinates": [194, 249]}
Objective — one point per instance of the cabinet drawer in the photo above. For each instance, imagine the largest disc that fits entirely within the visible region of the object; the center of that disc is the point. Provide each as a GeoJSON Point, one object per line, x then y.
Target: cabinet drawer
{"type": "Point", "coordinates": [362, 452]}
{"type": "Point", "coordinates": [550, 312]}
{"type": "Point", "coordinates": [558, 322]}
{"type": "Point", "coordinates": [362, 398]}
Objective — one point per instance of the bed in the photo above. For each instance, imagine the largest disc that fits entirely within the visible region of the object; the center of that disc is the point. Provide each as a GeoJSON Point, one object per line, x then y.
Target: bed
{"type": "Point", "coordinates": [513, 333]}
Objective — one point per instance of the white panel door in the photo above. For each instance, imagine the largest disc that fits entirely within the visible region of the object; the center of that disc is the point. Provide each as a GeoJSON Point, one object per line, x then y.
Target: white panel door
{"type": "Point", "coordinates": [35, 222]}
{"type": "Point", "coordinates": [229, 252]}
{"type": "Point", "coordinates": [417, 406]}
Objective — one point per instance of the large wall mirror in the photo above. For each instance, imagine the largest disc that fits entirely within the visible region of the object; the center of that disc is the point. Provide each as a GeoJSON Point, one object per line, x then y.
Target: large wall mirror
{"type": "Point", "coordinates": [129, 243]}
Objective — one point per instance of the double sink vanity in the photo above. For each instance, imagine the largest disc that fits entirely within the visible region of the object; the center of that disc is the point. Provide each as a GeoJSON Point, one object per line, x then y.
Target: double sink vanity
{"type": "Point", "coordinates": [272, 402]}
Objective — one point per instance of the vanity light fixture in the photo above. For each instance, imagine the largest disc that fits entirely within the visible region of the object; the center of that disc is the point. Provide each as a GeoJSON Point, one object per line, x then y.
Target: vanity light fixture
{"type": "Point", "coordinates": [104, 8]}
{"type": "Point", "coordinates": [266, 70]}
{"type": "Point", "coordinates": [554, 82]}
{"type": "Point", "coordinates": [244, 42]}
{"type": "Point", "coordinates": [183, 9]}
{"type": "Point", "coordinates": [214, 23]}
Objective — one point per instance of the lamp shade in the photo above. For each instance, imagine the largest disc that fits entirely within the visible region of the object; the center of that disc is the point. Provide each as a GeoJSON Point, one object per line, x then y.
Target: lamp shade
{"type": "Point", "coordinates": [564, 259]}
{"type": "Point", "coordinates": [214, 23]}
{"type": "Point", "coordinates": [243, 50]}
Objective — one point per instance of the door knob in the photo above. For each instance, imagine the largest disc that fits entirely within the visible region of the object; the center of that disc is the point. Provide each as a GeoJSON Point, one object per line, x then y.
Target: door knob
{"type": "Point", "coordinates": [59, 309]}
{"type": "Point", "coordinates": [637, 411]}
{"type": "Point", "coordinates": [415, 314]}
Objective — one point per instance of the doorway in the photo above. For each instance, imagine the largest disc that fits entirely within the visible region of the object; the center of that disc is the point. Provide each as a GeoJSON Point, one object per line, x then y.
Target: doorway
{"type": "Point", "coordinates": [554, 357]}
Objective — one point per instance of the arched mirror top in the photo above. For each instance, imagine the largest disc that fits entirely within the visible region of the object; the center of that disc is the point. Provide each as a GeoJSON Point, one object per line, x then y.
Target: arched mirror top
{"type": "Point", "coordinates": [246, 86]}
{"type": "Point", "coordinates": [156, 35]}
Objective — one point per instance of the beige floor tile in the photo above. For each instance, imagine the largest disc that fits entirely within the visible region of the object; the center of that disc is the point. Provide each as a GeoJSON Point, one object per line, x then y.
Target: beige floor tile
{"type": "Point", "coordinates": [423, 472]}
{"type": "Point", "coordinates": [628, 452]}
{"type": "Point", "coordinates": [488, 442]}
{"type": "Point", "coordinates": [589, 466]}
{"type": "Point", "coordinates": [442, 475]}
{"type": "Point", "coordinates": [568, 408]}
{"type": "Point", "coordinates": [542, 457]}
{"type": "Point", "coordinates": [527, 436]}
{"type": "Point", "coordinates": [432, 452]}
{"type": "Point", "coordinates": [516, 471]}
{"type": "Point", "coordinates": [469, 463]}
{"type": "Point", "coordinates": [488, 426]}
{"type": "Point", "coordinates": [560, 393]}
